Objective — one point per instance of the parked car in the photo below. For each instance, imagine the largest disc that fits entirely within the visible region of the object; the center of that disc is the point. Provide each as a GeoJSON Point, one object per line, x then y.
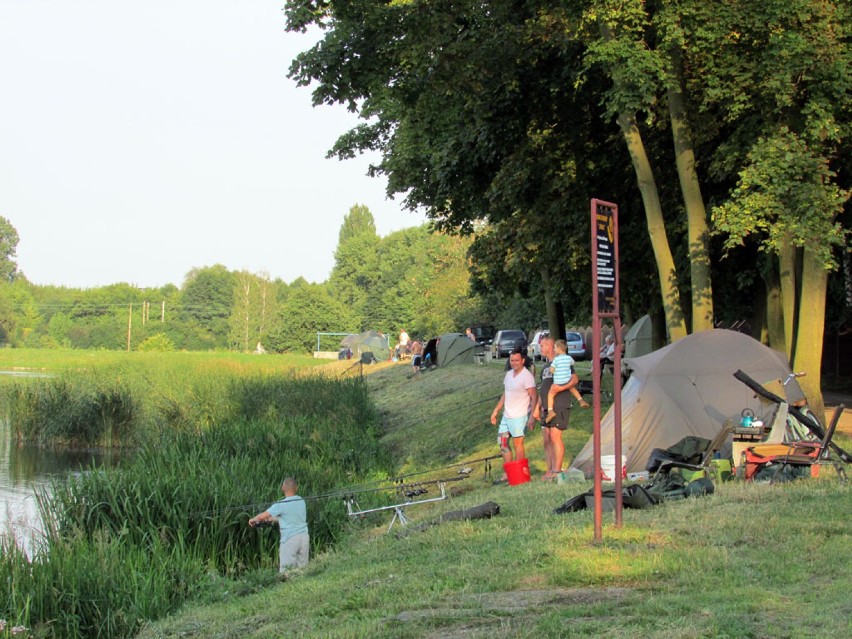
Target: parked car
{"type": "Point", "coordinates": [506, 341]}
{"type": "Point", "coordinates": [483, 334]}
{"type": "Point", "coordinates": [575, 341]}
{"type": "Point", "coordinates": [576, 345]}
{"type": "Point", "coordinates": [534, 347]}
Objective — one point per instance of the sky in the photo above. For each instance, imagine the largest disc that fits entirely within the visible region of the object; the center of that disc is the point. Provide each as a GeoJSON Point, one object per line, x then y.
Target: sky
{"type": "Point", "coordinates": [140, 140]}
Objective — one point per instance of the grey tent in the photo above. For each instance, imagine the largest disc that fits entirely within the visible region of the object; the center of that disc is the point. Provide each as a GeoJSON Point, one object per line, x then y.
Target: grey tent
{"type": "Point", "coordinates": [638, 340]}
{"type": "Point", "coordinates": [368, 342]}
{"type": "Point", "coordinates": [455, 348]}
{"type": "Point", "coordinates": [688, 388]}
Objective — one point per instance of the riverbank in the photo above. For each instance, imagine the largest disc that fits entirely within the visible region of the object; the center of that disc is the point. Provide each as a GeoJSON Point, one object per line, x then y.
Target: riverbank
{"type": "Point", "coordinates": [738, 563]}
{"type": "Point", "coordinates": [122, 547]}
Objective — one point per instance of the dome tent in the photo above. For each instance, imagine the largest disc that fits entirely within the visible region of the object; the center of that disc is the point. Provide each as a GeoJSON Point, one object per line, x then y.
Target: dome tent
{"type": "Point", "coordinates": [688, 388]}
{"type": "Point", "coordinates": [455, 348]}
{"type": "Point", "coordinates": [368, 342]}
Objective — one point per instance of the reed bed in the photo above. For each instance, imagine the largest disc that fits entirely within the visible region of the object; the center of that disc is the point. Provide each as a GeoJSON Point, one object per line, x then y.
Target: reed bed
{"type": "Point", "coordinates": [130, 544]}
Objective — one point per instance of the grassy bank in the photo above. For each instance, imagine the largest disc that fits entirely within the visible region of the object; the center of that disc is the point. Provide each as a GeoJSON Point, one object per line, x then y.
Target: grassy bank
{"type": "Point", "coordinates": [749, 561]}
{"type": "Point", "coordinates": [132, 544]}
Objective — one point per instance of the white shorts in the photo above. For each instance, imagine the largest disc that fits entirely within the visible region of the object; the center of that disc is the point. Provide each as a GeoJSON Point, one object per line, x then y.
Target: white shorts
{"type": "Point", "coordinates": [293, 553]}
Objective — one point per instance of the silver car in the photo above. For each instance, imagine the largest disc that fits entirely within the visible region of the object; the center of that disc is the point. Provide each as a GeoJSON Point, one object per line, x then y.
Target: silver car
{"type": "Point", "coordinates": [576, 344]}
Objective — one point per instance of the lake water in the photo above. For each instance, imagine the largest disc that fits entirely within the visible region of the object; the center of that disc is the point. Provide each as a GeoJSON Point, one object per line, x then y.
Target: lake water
{"type": "Point", "coordinates": [26, 470]}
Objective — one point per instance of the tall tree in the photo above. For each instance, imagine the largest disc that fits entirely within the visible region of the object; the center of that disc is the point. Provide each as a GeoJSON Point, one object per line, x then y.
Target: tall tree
{"type": "Point", "coordinates": [207, 297]}
{"type": "Point", "coordinates": [355, 259]}
{"type": "Point", "coordinates": [254, 306]}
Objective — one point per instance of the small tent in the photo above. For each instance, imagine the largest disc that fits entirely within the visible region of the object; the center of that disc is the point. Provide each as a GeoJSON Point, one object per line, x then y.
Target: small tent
{"type": "Point", "coordinates": [638, 340]}
{"type": "Point", "coordinates": [455, 348]}
{"type": "Point", "coordinates": [688, 388]}
{"type": "Point", "coordinates": [368, 342]}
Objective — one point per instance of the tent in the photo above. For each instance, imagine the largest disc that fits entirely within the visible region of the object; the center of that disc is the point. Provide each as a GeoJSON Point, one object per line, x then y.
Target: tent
{"type": "Point", "coordinates": [638, 340]}
{"type": "Point", "coordinates": [368, 342]}
{"type": "Point", "coordinates": [455, 348]}
{"type": "Point", "coordinates": [688, 388]}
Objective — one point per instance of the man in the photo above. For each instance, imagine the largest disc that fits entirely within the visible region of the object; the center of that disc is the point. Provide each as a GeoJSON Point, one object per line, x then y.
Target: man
{"type": "Point", "coordinates": [554, 448]}
{"type": "Point", "coordinates": [607, 354]}
{"type": "Point", "coordinates": [291, 515]}
{"type": "Point", "coordinates": [402, 348]}
{"type": "Point", "coordinates": [529, 364]}
{"type": "Point", "coordinates": [517, 401]}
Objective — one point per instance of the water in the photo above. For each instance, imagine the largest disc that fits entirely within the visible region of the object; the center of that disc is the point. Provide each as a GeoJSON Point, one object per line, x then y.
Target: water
{"type": "Point", "coordinates": [27, 470]}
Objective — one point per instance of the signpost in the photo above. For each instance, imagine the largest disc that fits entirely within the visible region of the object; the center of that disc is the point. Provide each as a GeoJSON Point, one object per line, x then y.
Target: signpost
{"type": "Point", "coordinates": [605, 305]}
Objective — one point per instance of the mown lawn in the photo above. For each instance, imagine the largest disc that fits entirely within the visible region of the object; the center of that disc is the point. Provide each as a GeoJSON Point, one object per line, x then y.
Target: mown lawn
{"type": "Point", "coordinates": [749, 561]}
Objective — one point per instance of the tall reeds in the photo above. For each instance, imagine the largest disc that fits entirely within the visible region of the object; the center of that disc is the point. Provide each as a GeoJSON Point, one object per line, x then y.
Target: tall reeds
{"type": "Point", "coordinates": [129, 544]}
{"type": "Point", "coordinates": [72, 410]}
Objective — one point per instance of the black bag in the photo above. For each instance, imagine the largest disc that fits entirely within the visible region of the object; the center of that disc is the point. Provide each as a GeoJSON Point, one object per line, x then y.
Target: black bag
{"type": "Point", "coordinates": [633, 496]}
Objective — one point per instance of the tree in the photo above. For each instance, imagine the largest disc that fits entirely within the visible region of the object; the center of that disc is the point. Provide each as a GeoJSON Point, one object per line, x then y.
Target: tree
{"type": "Point", "coordinates": [788, 139]}
{"type": "Point", "coordinates": [355, 259]}
{"type": "Point", "coordinates": [253, 308]}
{"type": "Point", "coordinates": [308, 310]}
{"type": "Point", "coordinates": [463, 96]}
{"type": "Point", "coordinates": [206, 300]}
{"type": "Point", "coordinates": [8, 247]}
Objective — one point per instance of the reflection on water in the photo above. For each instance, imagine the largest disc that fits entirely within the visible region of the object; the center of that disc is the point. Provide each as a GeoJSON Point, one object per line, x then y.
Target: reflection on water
{"type": "Point", "coordinates": [27, 470]}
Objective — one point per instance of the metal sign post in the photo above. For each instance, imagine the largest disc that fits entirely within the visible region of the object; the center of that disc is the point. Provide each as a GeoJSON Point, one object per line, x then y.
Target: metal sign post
{"type": "Point", "coordinates": [605, 305]}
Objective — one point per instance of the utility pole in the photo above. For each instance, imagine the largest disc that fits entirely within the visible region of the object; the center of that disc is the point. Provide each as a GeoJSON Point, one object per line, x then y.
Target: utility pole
{"type": "Point", "coordinates": [129, 325]}
{"type": "Point", "coordinates": [163, 313]}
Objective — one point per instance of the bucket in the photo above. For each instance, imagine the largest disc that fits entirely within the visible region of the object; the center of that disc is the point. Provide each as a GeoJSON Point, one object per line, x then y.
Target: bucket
{"type": "Point", "coordinates": [517, 471]}
{"type": "Point", "coordinates": [608, 467]}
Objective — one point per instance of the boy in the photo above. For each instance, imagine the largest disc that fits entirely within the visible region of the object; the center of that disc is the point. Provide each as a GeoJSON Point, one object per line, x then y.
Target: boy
{"type": "Point", "coordinates": [562, 367]}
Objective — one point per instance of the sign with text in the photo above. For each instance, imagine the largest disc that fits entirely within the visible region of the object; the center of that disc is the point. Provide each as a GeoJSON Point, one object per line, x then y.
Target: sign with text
{"type": "Point", "coordinates": [605, 306]}
{"type": "Point", "coordinates": [604, 267]}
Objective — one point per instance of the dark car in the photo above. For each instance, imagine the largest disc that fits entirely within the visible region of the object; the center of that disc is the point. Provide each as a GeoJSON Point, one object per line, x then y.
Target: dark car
{"type": "Point", "coordinates": [506, 341]}
{"type": "Point", "coordinates": [483, 334]}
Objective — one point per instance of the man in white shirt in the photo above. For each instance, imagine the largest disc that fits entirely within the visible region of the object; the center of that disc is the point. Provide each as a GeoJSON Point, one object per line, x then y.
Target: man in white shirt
{"type": "Point", "coordinates": [517, 401]}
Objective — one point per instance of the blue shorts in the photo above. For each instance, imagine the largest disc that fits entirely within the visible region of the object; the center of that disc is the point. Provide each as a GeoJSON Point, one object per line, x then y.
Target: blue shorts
{"type": "Point", "coordinates": [513, 425]}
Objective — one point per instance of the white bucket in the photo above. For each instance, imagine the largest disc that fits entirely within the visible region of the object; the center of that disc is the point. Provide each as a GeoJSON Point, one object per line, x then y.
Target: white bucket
{"type": "Point", "coordinates": [608, 467]}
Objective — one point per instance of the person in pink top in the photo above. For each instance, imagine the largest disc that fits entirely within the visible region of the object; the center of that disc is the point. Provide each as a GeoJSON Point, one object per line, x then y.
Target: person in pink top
{"type": "Point", "coordinates": [517, 401]}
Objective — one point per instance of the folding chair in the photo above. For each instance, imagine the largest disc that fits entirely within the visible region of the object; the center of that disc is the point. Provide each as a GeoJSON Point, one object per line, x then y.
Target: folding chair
{"type": "Point", "coordinates": [699, 461]}
{"type": "Point", "coordinates": [793, 456]}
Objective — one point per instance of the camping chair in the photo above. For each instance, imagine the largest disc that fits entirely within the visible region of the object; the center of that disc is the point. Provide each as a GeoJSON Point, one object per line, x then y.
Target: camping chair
{"type": "Point", "coordinates": [699, 455]}
{"type": "Point", "coordinates": [792, 459]}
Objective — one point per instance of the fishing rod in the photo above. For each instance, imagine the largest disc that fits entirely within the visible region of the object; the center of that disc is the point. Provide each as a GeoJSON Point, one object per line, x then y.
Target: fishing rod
{"type": "Point", "coordinates": [394, 483]}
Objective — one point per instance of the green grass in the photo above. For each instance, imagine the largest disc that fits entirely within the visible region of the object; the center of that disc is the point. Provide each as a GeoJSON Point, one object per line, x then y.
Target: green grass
{"type": "Point", "coordinates": [130, 544]}
{"type": "Point", "coordinates": [751, 560]}
{"type": "Point", "coordinates": [113, 399]}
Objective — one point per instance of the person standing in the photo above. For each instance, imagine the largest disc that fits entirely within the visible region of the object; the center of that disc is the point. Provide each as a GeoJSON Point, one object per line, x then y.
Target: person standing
{"type": "Point", "coordinates": [402, 348]}
{"type": "Point", "coordinates": [554, 447]}
{"type": "Point", "coordinates": [517, 401]}
{"type": "Point", "coordinates": [291, 515]}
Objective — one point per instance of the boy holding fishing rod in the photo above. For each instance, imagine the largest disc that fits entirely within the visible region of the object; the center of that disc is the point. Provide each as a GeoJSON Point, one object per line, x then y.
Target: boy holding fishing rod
{"type": "Point", "coordinates": [291, 515]}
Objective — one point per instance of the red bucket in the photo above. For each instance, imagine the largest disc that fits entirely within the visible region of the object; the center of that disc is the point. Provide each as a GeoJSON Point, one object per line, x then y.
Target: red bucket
{"type": "Point", "coordinates": [517, 471]}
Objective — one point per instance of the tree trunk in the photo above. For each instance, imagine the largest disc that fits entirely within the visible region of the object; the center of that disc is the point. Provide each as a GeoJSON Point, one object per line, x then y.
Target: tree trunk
{"type": "Point", "coordinates": [675, 322]}
{"type": "Point", "coordinates": [787, 276]}
{"type": "Point", "coordinates": [555, 314]}
{"type": "Point", "coordinates": [774, 312]}
{"type": "Point", "coordinates": [696, 215]}
{"type": "Point", "coordinates": [811, 330]}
